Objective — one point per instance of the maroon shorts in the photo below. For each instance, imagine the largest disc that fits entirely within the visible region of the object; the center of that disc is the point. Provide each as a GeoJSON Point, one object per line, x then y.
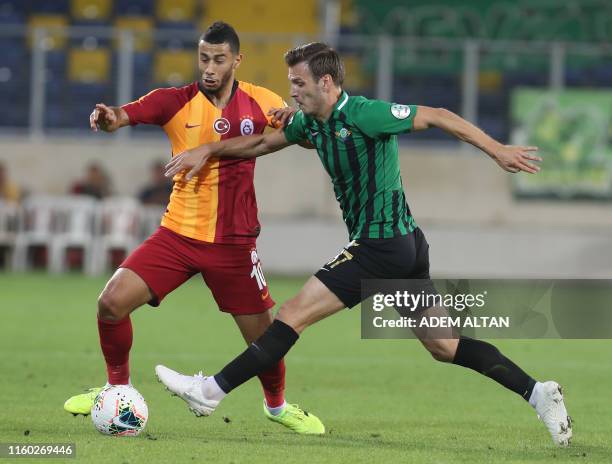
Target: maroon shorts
{"type": "Point", "coordinates": [232, 271]}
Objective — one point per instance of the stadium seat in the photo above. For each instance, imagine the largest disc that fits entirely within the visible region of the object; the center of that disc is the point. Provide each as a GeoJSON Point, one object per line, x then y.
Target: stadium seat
{"type": "Point", "coordinates": [175, 10]}
{"type": "Point", "coordinates": [119, 228]}
{"type": "Point", "coordinates": [134, 7]}
{"type": "Point", "coordinates": [141, 26]}
{"type": "Point", "coordinates": [174, 67]}
{"type": "Point", "coordinates": [180, 26]}
{"type": "Point", "coordinates": [349, 17]}
{"type": "Point", "coordinates": [56, 29]}
{"type": "Point", "coordinates": [14, 83]}
{"type": "Point", "coordinates": [143, 63]}
{"type": "Point", "coordinates": [74, 219]}
{"type": "Point", "coordinates": [12, 53]}
{"type": "Point", "coordinates": [34, 227]}
{"type": "Point", "coordinates": [241, 15]}
{"type": "Point", "coordinates": [54, 7]}
{"type": "Point", "coordinates": [496, 127]}
{"type": "Point", "coordinates": [263, 65]}
{"type": "Point", "coordinates": [355, 78]}
{"type": "Point", "coordinates": [69, 104]}
{"type": "Point", "coordinates": [602, 75]}
{"type": "Point", "coordinates": [91, 10]}
{"type": "Point", "coordinates": [489, 81]}
{"type": "Point", "coordinates": [56, 67]}
{"type": "Point", "coordinates": [89, 66]}
{"type": "Point", "coordinates": [12, 12]}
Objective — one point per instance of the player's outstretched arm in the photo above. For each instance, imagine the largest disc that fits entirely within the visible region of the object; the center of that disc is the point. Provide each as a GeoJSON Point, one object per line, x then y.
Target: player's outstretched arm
{"type": "Point", "coordinates": [511, 158]}
{"type": "Point", "coordinates": [248, 146]}
{"type": "Point", "coordinates": [108, 118]}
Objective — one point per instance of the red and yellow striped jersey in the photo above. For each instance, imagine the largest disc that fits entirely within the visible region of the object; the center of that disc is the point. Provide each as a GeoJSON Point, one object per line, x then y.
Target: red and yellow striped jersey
{"type": "Point", "coordinates": [218, 205]}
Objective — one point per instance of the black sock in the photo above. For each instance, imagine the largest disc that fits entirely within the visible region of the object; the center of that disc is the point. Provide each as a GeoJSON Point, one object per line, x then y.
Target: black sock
{"type": "Point", "coordinates": [260, 356]}
{"type": "Point", "coordinates": [487, 360]}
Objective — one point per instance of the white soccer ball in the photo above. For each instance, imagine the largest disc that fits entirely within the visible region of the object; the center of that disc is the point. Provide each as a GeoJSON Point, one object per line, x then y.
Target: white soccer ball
{"type": "Point", "coordinates": [119, 410]}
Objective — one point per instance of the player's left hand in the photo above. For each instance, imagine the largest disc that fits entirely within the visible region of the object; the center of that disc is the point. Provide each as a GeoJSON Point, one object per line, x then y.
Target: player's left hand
{"type": "Point", "coordinates": [280, 116]}
{"type": "Point", "coordinates": [189, 162]}
{"type": "Point", "coordinates": [515, 158]}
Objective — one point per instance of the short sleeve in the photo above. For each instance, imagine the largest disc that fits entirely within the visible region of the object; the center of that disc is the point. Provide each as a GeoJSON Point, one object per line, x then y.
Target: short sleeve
{"type": "Point", "coordinates": [156, 107]}
{"type": "Point", "coordinates": [266, 99]}
{"type": "Point", "coordinates": [377, 118]}
{"type": "Point", "coordinates": [295, 130]}
{"type": "Point", "coordinates": [270, 101]}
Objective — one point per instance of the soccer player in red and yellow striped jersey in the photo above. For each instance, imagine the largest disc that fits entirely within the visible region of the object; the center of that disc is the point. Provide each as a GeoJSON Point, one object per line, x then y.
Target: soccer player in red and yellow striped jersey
{"type": "Point", "coordinates": [210, 225]}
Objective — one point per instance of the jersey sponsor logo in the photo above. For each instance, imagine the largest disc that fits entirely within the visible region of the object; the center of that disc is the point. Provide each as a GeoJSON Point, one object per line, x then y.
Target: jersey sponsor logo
{"type": "Point", "coordinates": [246, 126]}
{"type": "Point", "coordinates": [343, 133]}
{"type": "Point", "coordinates": [400, 111]}
{"type": "Point", "coordinates": [191, 126]}
{"type": "Point", "coordinates": [221, 126]}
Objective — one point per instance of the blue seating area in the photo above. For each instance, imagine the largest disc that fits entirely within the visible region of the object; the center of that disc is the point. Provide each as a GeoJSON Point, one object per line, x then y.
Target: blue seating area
{"type": "Point", "coordinates": [82, 71]}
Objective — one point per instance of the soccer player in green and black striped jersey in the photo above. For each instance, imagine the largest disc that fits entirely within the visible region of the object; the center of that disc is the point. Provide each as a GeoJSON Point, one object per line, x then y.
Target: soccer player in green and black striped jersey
{"type": "Point", "coordinates": [356, 140]}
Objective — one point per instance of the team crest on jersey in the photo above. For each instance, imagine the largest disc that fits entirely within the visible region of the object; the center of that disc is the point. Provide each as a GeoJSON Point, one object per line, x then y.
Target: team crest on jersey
{"type": "Point", "coordinates": [343, 133]}
{"type": "Point", "coordinates": [221, 126]}
{"type": "Point", "coordinates": [246, 125]}
{"type": "Point", "coordinates": [400, 111]}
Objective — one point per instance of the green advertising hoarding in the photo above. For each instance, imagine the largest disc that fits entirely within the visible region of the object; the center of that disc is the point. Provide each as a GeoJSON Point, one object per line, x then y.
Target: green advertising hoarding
{"type": "Point", "coordinates": [573, 130]}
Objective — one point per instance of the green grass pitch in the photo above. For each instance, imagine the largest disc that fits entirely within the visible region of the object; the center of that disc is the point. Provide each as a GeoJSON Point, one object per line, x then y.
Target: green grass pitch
{"type": "Point", "coordinates": [382, 401]}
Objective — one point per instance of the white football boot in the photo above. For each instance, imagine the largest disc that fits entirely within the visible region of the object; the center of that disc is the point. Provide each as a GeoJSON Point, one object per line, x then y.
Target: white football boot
{"type": "Point", "coordinates": [189, 388]}
{"type": "Point", "coordinates": [551, 410]}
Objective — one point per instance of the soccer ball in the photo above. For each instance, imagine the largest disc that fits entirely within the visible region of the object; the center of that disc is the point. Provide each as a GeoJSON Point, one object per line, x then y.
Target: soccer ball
{"type": "Point", "coordinates": [119, 410]}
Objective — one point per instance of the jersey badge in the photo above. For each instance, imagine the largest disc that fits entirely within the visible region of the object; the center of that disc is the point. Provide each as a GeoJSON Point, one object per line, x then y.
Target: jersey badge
{"type": "Point", "coordinates": [246, 125]}
{"type": "Point", "coordinates": [400, 111]}
{"type": "Point", "coordinates": [221, 126]}
{"type": "Point", "coordinates": [343, 133]}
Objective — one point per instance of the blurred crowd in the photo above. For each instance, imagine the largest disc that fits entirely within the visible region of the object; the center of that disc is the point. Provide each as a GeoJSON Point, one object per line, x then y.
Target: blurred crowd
{"type": "Point", "coordinates": [97, 183]}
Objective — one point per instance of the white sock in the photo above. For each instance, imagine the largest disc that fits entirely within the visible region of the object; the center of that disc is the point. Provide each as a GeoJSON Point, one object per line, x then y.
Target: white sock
{"type": "Point", "coordinates": [277, 410]}
{"type": "Point", "coordinates": [533, 399]}
{"type": "Point", "coordinates": [212, 390]}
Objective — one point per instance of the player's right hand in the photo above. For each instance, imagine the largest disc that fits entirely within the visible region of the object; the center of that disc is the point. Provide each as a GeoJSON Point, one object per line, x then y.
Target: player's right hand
{"type": "Point", "coordinates": [281, 116]}
{"type": "Point", "coordinates": [189, 163]}
{"type": "Point", "coordinates": [103, 118]}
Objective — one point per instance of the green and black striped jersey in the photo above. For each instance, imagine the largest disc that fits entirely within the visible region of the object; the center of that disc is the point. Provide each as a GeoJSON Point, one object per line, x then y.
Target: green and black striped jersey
{"type": "Point", "coordinates": [358, 148]}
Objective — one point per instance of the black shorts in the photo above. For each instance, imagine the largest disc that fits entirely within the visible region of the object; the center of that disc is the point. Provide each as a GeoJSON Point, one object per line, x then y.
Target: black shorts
{"type": "Point", "coordinates": [403, 257]}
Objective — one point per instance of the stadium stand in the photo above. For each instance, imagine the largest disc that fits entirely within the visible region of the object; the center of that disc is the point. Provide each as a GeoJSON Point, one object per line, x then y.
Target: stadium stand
{"type": "Point", "coordinates": [429, 75]}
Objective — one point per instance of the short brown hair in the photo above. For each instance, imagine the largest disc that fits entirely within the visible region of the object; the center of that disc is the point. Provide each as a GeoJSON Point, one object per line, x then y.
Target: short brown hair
{"type": "Point", "coordinates": [321, 59]}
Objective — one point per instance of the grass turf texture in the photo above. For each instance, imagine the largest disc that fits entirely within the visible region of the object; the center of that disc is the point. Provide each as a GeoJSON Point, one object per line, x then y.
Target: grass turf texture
{"type": "Point", "coordinates": [381, 400]}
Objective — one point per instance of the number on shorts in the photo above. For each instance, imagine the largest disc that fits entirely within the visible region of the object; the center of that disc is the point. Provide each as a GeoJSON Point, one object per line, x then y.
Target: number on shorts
{"type": "Point", "coordinates": [257, 272]}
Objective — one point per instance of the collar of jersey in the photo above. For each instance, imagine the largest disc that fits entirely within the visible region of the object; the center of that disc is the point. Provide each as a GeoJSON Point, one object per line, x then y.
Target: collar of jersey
{"type": "Point", "coordinates": [337, 107]}
{"type": "Point", "coordinates": [341, 101]}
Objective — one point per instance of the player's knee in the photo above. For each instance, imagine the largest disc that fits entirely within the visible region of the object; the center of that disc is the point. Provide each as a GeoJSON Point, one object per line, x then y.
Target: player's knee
{"type": "Point", "coordinates": [110, 307]}
{"type": "Point", "coordinates": [440, 351]}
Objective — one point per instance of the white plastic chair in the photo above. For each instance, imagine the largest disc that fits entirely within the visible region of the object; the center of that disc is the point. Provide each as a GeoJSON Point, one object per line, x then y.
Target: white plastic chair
{"type": "Point", "coordinates": [74, 227]}
{"type": "Point", "coordinates": [56, 223]}
{"type": "Point", "coordinates": [118, 229]}
{"type": "Point", "coordinates": [35, 228]}
{"type": "Point", "coordinates": [8, 230]}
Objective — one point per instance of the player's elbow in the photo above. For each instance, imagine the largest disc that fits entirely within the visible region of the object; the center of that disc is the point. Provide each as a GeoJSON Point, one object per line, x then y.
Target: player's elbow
{"type": "Point", "coordinates": [427, 117]}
